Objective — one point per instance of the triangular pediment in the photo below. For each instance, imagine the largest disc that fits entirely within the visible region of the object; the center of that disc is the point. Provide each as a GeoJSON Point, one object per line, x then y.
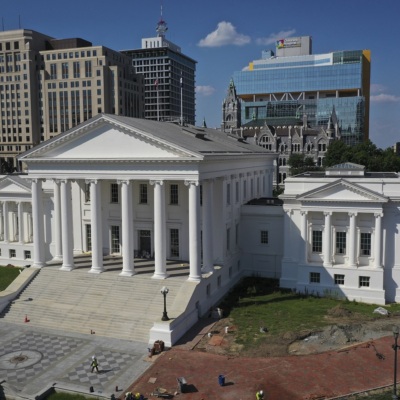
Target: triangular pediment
{"type": "Point", "coordinates": [105, 138]}
{"type": "Point", "coordinates": [13, 185]}
{"type": "Point", "coordinates": [342, 191]}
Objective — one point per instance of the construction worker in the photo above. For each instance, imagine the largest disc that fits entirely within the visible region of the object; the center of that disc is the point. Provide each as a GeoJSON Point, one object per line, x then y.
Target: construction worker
{"type": "Point", "coordinates": [95, 364]}
{"type": "Point", "coordinates": [260, 395]}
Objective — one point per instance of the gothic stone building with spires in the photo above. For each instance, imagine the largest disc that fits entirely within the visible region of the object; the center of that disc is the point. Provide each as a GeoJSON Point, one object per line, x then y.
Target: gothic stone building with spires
{"type": "Point", "coordinates": [292, 136]}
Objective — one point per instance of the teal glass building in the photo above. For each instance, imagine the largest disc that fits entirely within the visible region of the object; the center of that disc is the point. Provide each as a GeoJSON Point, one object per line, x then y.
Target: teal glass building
{"type": "Point", "coordinates": [296, 86]}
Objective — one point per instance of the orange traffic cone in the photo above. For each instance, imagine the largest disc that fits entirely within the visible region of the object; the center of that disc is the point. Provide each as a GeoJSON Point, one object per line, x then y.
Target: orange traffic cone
{"type": "Point", "coordinates": [26, 318]}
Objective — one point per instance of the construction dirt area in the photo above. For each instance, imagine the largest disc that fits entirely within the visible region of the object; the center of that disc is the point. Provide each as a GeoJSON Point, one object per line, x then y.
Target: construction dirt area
{"type": "Point", "coordinates": [343, 331]}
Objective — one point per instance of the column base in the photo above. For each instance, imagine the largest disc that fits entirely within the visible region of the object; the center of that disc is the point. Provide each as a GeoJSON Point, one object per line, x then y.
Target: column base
{"type": "Point", "coordinates": [38, 265]}
{"type": "Point", "coordinates": [95, 270]}
{"type": "Point", "coordinates": [127, 273]}
{"type": "Point", "coordinates": [66, 268]}
{"type": "Point", "coordinates": [194, 278]}
{"type": "Point", "coordinates": [159, 276]}
{"type": "Point", "coordinates": [57, 258]}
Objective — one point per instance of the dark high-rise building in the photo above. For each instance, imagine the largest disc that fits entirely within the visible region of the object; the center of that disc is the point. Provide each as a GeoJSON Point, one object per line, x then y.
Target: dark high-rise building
{"type": "Point", "coordinates": [169, 78]}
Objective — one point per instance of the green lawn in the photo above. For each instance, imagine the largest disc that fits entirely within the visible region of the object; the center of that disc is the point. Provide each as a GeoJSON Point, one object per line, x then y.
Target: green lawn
{"type": "Point", "coordinates": [7, 275]}
{"type": "Point", "coordinates": [257, 302]}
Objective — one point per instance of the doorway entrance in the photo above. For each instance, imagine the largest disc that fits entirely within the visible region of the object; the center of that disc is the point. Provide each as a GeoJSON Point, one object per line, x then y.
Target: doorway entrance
{"type": "Point", "coordinates": [145, 243]}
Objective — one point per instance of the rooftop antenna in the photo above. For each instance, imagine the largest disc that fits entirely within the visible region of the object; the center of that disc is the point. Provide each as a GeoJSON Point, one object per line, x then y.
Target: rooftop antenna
{"type": "Point", "coordinates": [162, 25]}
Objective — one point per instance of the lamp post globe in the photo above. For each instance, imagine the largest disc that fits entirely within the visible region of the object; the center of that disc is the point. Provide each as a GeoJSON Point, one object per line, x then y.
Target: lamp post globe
{"type": "Point", "coordinates": [164, 292]}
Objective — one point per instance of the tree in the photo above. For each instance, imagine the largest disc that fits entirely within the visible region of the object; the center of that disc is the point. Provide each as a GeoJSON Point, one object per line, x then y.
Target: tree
{"type": "Point", "coordinates": [299, 163]}
{"type": "Point", "coordinates": [366, 153]}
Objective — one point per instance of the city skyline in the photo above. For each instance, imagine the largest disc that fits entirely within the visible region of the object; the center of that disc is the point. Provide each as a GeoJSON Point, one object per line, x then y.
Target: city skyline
{"type": "Point", "coordinates": [233, 34]}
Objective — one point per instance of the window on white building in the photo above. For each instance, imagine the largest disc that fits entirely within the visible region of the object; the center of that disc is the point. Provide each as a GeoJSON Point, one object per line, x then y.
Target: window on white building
{"type": "Point", "coordinates": [317, 241]}
{"type": "Point", "coordinates": [13, 253]}
{"type": "Point", "coordinates": [173, 194]}
{"type": "Point", "coordinates": [174, 242]}
{"type": "Point", "coordinates": [88, 228]}
{"type": "Point", "coordinates": [264, 237]}
{"type": "Point", "coordinates": [315, 277]}
{"type": "Point", "coordinates": [340, 242]}
{"type": "Point", "coordinates": [27, 254]}
{"type": "Point", "coordinates": [228, 194]}
{"type": "Point", "coordinates": [339, 279]}
{"type": "Point", "coordinates": [143, 193]}
{"type": "Point", "coordinates": [87, 192]}
{"type": "Point", "coordinates": [364, 281]}
{"type": "Point", "coordinates": [114, 198]}
{"type": "Point", "coordinates": [365, 244]}
{"type": "Point", "coordinates": [228, 239]}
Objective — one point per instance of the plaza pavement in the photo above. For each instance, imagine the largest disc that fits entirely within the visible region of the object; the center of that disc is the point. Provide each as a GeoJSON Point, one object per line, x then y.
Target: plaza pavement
{"type": "Point", "coordinates": [33, 359]}
{"type": "Point", "coordinates": [63, 360]}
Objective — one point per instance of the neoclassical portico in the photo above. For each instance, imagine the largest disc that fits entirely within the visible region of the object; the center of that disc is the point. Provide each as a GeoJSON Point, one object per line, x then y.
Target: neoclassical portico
{"type": "Point", "coordinates": [128, 155]}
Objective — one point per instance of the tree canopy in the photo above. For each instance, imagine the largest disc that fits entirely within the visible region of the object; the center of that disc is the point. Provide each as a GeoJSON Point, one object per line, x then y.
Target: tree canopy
{"type": "Point", "coordinates": [368, 154]}
{"type": "Point", "coordinates": [300, 163]}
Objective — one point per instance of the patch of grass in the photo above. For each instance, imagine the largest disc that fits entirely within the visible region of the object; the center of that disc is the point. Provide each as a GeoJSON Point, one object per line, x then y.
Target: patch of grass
{"type": "Point", "coordinates": [7, 275]}
{"type": "Point", "coordinates": [258, 302]}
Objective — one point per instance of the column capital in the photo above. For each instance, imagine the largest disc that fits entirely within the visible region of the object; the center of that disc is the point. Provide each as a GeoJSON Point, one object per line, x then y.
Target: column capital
{"type": "Point", "coordinates": [35, 180]}
{"type": "Point", "coordinates": [189, 182]}
{"type": "Point", "coordinates": [156, 182]}
{"type": "Point", "coordinates": [123, 181]}
{"type": "Point", "coordinates": [378, 214]}
{"type": "Point", "coordinates": [288, 211]}
{"type": "Point", "coordinates": [90, 181]}
{"type": "Point", "coordinates": [353, 214]}
{"type": "Point", "coordinates": [303, 212]}
{"type": "Point", "coordinates": [327, 213]}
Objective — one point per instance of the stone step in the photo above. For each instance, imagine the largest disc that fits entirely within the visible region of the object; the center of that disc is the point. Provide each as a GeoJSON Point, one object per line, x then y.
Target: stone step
{"type": "Point", "coordinates": [108, 304]}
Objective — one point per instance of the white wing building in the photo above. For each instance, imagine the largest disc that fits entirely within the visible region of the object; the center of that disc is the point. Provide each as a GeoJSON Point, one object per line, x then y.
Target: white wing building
{"type": "Point", "coordinates": [341, 234]}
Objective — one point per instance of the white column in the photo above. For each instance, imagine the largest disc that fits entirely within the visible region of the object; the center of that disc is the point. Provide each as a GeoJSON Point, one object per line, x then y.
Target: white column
{"type": "Point", "coordinates": [66, 220]}
{"type": "Point", "coordinates": [21, 222]}
{"type": "Point", "coordinates": [1, 223]}
{"type": "Point", "coordinates": [287, 218]}
{"type": "Point", "coordinates": [57, 221]}
{"type": "Point", "coordinates": [127, 229]}
{"type": "Point", "coordinates": [38, 224]}
{"type": "Point", "coordinates": [378, 240]}
{"type": "Point", "coordinates": [160, 269]}
{"type": "Point", "coordinates": [194, 231]}
{"type": "Point", "coordinates": [14, 226]}
{"type": "Point", "coordinates": [352, 240]}
{"type": "Point", "coordinates": [304, 237]}
{"type": "Point", "coordinates": [327, 239]}
{"type": "Point", "coordinates": [6, 222]}
{"type": "Point", "coordinates": [96, 230]}
{"type": "Point", "coordinates": [208, 242]}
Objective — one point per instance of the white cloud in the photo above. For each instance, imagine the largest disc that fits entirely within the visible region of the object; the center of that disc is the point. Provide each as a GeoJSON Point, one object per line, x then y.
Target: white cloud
{"type": "Point", "coordinates": [377, 88]}
{"type": "Point", "coordinates": [384, 98]}
{"type": "Point", "coordinates": [205, 90]}
{"type": "Point", "coordinates": [273, 37]}
{"type": "Point", "coordinates": [224, 35]}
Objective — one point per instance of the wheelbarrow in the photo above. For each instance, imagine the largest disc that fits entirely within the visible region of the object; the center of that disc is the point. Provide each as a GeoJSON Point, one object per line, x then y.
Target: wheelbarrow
{"type": "Point", "coordinates": [162, 393]}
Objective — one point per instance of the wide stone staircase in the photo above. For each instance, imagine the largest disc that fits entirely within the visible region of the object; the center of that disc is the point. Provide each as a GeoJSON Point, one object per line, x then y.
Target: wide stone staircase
{"type": "Point", "coordinates": [104, 304]}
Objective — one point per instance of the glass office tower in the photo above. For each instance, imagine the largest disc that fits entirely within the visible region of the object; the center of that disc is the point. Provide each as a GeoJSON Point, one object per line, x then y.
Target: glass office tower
{"type": "Point", "coordinates": [294, 85]}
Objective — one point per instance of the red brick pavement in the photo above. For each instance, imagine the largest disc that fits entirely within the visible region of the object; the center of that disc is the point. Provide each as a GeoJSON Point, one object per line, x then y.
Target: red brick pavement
{"type": "Point", "coordinates": [322, 376]}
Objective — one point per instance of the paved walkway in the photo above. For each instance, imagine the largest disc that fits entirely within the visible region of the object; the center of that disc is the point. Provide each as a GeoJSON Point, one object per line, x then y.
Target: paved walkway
{"type": "Point", "coordinates": [33, 359]}
{"type": "Point", "coordinates": [333, 374]}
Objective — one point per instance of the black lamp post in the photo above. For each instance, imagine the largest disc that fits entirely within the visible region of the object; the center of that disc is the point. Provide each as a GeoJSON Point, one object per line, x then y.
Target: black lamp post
{"type": "Point", "coordinates": [395, 347]}
{"type": "Point", "coordinates": [164, 292]}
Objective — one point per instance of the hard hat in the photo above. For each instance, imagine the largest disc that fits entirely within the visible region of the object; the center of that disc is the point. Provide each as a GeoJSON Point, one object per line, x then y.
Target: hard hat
{"type": "Point", "coordinates": [93, 357]}
{"type": "Point", "coordinates": [261, 392]}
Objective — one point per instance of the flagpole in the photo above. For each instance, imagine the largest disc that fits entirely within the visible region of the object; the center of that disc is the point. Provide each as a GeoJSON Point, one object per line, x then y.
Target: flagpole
{"type": "Point", "coordinates": [181, 82]}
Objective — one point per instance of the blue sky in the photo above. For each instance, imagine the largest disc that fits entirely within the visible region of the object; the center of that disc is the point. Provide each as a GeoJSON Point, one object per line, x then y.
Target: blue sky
{"type": "Point", "coordinates": [223, 36]}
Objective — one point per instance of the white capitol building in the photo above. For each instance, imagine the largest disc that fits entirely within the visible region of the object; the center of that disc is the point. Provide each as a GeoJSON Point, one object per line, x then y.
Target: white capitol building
{"type": "Point", "coordinates": [190, 209]}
